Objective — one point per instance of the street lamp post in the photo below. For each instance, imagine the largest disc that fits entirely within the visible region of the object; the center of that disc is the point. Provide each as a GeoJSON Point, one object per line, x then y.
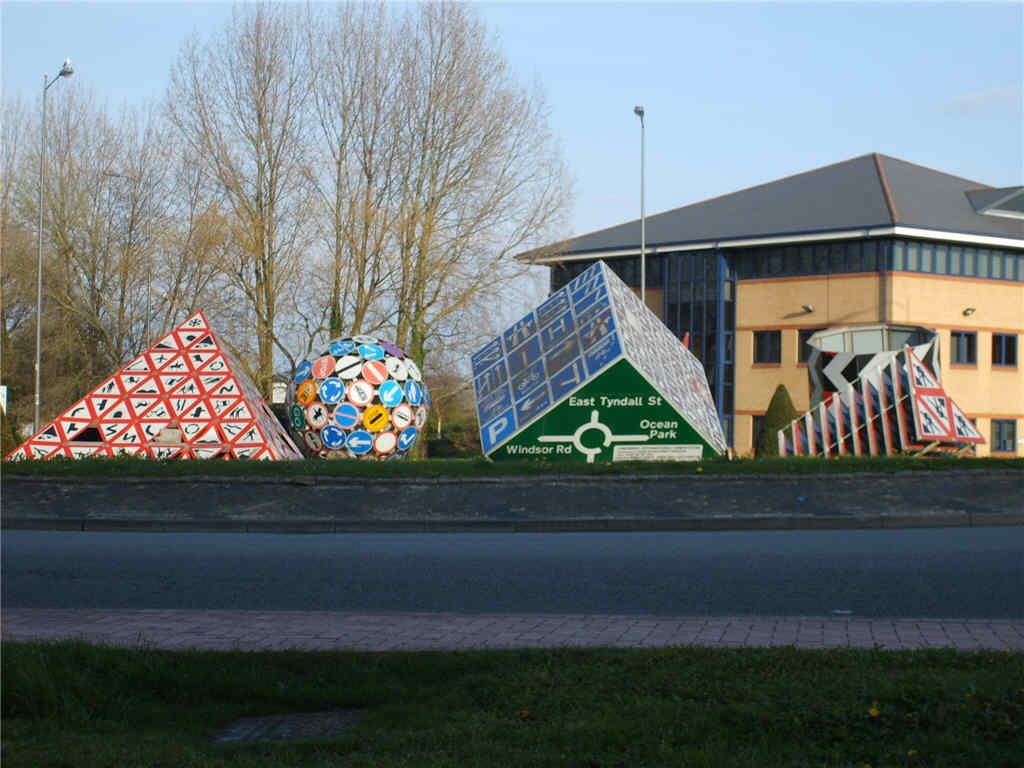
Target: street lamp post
{"type": "Point", "coordinates": [65, 71]}
{"type": "Point", "coordinates": [639, 112]}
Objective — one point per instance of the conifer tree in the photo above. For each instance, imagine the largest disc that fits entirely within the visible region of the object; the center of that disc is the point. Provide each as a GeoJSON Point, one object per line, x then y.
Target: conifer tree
{"type": "Point", "coordinates": [780, 413]}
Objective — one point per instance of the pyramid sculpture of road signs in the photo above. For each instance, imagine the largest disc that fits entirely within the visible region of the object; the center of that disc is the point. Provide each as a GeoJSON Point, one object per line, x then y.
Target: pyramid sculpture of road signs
{"type": "Point", "coordinates": [896, 405]}
{"type": "Point", "coordinates": [183, 398]}
{"type": "Point", "coordinates": [593, 375]}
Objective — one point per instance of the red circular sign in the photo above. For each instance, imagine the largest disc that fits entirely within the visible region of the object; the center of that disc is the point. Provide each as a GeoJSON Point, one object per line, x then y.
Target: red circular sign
{"type": "Point", "coordinates": [360, 393]}
{"type": "Point", "coordinates": [402, 416]}
{"type": "Point", "coordinates": [375, 372]}
{"type": "Point", "coordinates": [385, 443]}
{"type": "Point", "coordinates": [323, 367]}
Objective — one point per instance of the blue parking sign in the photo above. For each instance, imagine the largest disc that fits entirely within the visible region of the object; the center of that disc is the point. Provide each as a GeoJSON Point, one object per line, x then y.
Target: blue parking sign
{"type": "Point", "coordinates": [497, 430]}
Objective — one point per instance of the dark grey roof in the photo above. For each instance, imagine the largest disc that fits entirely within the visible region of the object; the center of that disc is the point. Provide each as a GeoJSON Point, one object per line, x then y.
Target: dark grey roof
{"type": "Point", "coordinates": [1004, 199]}
{"type": "Point", "coordinates": [868, 191]}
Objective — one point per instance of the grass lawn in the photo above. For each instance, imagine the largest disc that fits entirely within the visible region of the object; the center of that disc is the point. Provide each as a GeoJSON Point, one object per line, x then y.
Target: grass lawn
{"type": "Point", "coordinates": [481, 467]}
{"type": "Point", "coordinates": [72, 704]}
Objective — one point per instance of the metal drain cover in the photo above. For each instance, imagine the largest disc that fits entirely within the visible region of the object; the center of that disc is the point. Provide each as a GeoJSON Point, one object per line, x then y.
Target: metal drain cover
{"type": "Point", "coordinates": [294, 727]}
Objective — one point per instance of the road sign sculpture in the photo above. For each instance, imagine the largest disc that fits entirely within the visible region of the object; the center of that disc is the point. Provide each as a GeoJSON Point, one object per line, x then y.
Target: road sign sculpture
{"type": "Point", "coordinates": [361, 398]}
{"type": "Point", "coordinates": [894, 405]}
{"type": "Point", "coordinates": [593, 375]}
{"type": "Point", "coordinates": [183, 398]}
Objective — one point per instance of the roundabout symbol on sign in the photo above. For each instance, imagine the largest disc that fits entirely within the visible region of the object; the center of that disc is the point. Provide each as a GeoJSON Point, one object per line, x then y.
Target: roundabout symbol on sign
{"type": "Point", "coordinates": [606, 434]}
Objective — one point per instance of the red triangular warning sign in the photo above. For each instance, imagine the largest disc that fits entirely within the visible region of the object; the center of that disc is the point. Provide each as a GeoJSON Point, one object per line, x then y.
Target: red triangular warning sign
{"type": "Point", "coordinates": [168, 403]}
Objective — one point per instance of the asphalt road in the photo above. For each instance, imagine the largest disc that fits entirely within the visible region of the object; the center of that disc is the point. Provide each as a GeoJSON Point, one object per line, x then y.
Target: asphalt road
{"type": "Point", "coordinates": [940, 573]}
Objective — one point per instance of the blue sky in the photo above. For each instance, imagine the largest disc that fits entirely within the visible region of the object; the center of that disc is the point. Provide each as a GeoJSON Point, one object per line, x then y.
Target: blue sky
{"type": "Point", "coordinates": [735, 94]}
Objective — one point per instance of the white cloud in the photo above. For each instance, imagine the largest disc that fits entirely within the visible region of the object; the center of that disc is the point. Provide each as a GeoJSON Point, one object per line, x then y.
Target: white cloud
{"type": "Point", "coordinates": [1000, 99]}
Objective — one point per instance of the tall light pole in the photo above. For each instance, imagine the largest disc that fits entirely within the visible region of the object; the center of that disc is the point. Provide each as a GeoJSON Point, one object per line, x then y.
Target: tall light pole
{"type": "Point", "coordinates": [65, 71]}
{"type": "Point", "coordinates": [639, 112]}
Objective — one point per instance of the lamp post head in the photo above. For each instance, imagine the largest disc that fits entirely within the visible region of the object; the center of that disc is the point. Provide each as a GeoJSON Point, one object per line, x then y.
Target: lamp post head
{"type": "Point", "coordinates": [66, 69]}
{"type": "Point", "coordinates": [639, 112]}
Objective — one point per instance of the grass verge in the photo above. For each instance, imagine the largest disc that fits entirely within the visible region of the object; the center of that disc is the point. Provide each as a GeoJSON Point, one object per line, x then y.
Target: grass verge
{"type": "Point", "coordinates": [462, 468]}
{"type": "Point", "coordinates": [73, 704]}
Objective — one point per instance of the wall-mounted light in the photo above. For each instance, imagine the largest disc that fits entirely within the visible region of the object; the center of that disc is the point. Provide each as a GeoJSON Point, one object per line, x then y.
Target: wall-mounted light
{"type": "Point", "coordinates": [969, 311]}
{"type": "Point", "coordinates": [807, 307]}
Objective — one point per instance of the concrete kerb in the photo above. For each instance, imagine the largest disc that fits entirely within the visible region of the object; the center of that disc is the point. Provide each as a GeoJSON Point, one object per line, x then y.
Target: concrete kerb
{"type": "Point", "coordinates": [597, 525]}
{"type": "Point", "coordinates": [911, 499]}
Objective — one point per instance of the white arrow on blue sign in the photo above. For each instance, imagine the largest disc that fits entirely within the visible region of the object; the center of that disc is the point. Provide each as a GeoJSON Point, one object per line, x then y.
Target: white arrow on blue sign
{"type": "Point", "coordinates": [360, 442]}
{"type": "Point", "coordinates": [407, 438]}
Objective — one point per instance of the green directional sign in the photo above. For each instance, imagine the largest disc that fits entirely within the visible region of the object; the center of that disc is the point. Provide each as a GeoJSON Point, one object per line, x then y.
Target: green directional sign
{"type": "Point", "coordinates": [593, 375]}
{"type": "Point", "coordinates": [617, 416]}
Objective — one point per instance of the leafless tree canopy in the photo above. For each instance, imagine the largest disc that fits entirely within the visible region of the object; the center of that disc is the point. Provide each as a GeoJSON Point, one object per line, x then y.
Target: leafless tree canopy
{"type": "Point", "coordinates": [313, 171]}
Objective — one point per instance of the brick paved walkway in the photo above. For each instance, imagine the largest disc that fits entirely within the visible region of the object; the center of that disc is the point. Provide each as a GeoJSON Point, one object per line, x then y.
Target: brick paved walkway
{"type": "Point", "coordinates": [308, 630]}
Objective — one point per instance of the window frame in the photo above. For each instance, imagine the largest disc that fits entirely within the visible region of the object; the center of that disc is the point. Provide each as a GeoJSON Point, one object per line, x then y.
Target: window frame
{"type": "Point", "coordinates": [1004, 342]}
{"type": "Point", "coordinates": [972, 347]}
{"type": "Point", "coordinates": [775, 334]}
{"type": "Point", "coordinates": [1004, 433]}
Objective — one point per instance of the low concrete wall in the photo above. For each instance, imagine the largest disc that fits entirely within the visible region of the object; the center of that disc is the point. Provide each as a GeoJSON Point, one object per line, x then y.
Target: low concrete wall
{"type": "Point", "coordinates": [875, 500]}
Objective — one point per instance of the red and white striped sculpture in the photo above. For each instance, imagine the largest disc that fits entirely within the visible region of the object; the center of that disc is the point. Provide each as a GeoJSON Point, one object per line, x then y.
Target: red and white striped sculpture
{"type": "Point", "coordinates": [895, 406]}
{"type": "Point", "coordinates": [183, 398]}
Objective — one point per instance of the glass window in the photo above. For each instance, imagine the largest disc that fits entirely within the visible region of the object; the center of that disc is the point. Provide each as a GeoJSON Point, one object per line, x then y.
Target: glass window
{"type": "Point", "coordinates": [757, 429]}
{"type": "Point", "coordinates": [767, 347]}
{"type": "Point", "coordinates": [968, 263]}
{"type": "Point", "coordinates": [997, 265]}
{"type": "Point", "coordinates": [774, 262]}
{"type": "Point", "coordinates": [806, 259]}
{"type": "Point", "coordinates": [820, 259]}
{"type": "Point", "coordinates": [963, 347]}
{"type": "Point", "coordinates": [1004, 349]}
{"type": "Point", "coordinates": [898, 260]}
{"type": "Point", "coordinates": [955, 265]}
{"type": "Point", "coordinates": [870, 256]}
{"type": "Point", "coordinates": [941, 263]}
{"type": "Point", "coordinates": [791, 259]}
{"type": "Point", "coordinates": [853, 260]}
{"type": "Point", "coordinates": [913, 257]}
{"type": "Point", "coordinates": [983, 262]}
{"type": "Point", "coordinates": [834, 342]}
{"type": "Point", "coordinates": [926, 257]}
{"type": "Point", "coordinates": [1004, 436]}
{"type": "Point", "coordinates": [803, 349]}
{"type": "Point", "coordinates": [836, 258]}
{"type": "Point", "coordinates": [865, 342]}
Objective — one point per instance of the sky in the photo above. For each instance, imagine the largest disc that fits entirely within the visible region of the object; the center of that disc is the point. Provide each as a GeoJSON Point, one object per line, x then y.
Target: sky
{"type": "Point", "coordinates": [735, 94]}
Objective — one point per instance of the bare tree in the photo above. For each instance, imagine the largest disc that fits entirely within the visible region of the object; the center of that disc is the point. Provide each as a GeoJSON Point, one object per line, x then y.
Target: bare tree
{"type": "Point", "coordinates": [481, 177]}
{"type": "Point", "coordinates": [237, 103]}
{"type": "Point", "coordinates": [441, 167]}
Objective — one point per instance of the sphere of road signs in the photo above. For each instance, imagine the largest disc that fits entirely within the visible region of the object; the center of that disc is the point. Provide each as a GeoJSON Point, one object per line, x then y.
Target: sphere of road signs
{"type": "Point", "coordinates": [357, 397]}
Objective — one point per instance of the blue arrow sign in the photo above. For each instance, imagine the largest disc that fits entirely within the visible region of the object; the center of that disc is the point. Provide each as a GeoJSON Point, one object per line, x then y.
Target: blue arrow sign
{"type": "Point", "coordinates": [371, 352]}
{"type": "Point", "coordinates": [332, 390]}
{"type": "Point", "coordinates": [342, 347]}
{"type": "Point", "coordinates": [406, 438]}
{"type": "Point", "coordinates": [303, 372]}
{"type": "Point", "coordinates": [333, 437]}
{"type": "Point", "coordinates": [390, 393]}
{"type": "Point", "coordinates": [413, 392]}
{"type": "Point", "coordinates": [360, 442]}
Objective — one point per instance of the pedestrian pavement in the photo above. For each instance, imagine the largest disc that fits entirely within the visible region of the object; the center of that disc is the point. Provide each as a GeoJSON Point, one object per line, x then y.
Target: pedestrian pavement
{"type": "Point", "coordinates": [331, 630]}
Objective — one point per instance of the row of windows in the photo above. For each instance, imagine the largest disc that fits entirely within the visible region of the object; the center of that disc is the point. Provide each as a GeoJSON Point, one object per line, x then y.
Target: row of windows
{"type": "Point", "coordinates": [831, 258]}
{"type": "Point", "coordinates": [835, 257]}
{"type": "Point", "coordinates": [768, 346]}
{"type": "Point", "coordinates": [957, 260]}
{"type": "Point", "coordinates": [963, 348]}
{"type": "Point", "coordinates": [847, 256]}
